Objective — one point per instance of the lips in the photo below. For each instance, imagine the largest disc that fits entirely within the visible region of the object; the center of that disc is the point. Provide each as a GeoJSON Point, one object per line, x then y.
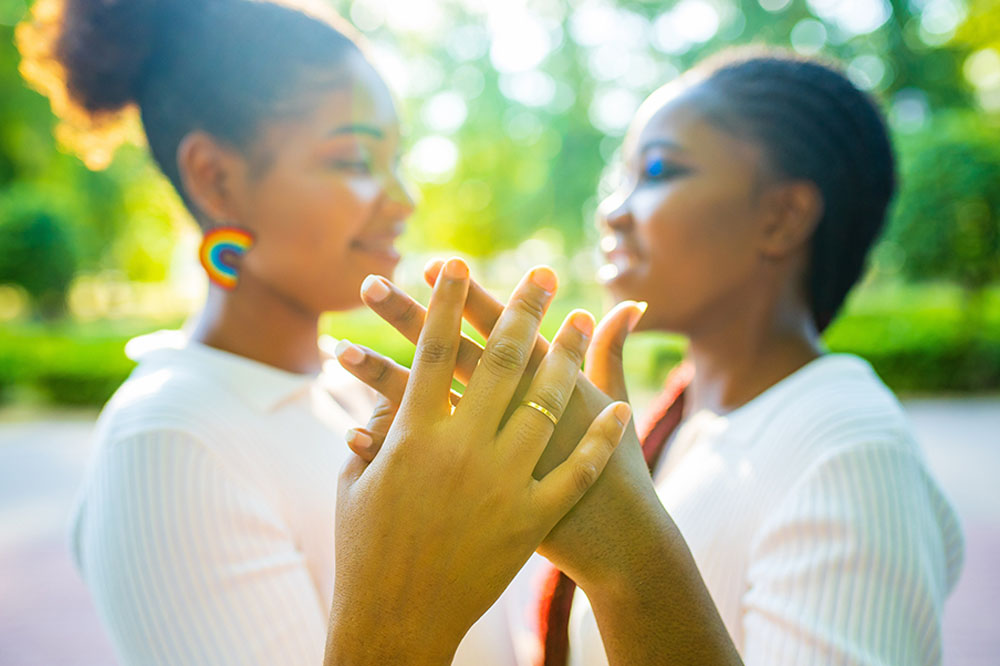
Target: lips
{"type": "Point", "coordinates": [381, 245]}
{"type": "Point", "coordinates": [618, 258]}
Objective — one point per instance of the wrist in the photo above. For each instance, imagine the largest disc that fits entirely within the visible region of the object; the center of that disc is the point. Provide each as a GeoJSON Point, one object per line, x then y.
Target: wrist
{"type": "Point", "coordinates": [643, 540]}
{"type": "Point", "coordinates": [354, 642]}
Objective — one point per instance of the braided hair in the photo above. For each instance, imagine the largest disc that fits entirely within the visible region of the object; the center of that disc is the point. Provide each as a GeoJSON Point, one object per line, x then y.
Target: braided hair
{"type": "Point", "coordinates": [224, 67]}
{"type": "Point", "coordinates": [813, 124]}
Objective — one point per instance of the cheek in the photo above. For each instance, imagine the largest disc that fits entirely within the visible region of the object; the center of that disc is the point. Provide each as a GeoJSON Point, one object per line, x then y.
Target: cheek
{"type": "Point", "coordinates": [328, 213]}
{"type": "Point", "coordinates": [694, 227]}
{"type": "Point", "coordinates": [307, 225]}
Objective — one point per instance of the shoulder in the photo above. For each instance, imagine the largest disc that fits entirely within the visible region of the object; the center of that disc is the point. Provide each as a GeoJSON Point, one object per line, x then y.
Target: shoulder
{"type": "Point", "coordinates": [871, 500]}
{"type": "Point", "coordinates": [168, 398]}
{"type": "Point", "coordinates": [831, 405]}
{"type": "Point", "coordinates": [174, 389]}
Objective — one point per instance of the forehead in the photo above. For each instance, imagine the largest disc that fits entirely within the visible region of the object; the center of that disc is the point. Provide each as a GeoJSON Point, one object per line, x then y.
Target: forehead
{"type": "Point", "coordinates": [672, 115]}
{"type": "Point", "coordinates": [351, 95]}
{"type": "Point", "coordinates": [359, 96]}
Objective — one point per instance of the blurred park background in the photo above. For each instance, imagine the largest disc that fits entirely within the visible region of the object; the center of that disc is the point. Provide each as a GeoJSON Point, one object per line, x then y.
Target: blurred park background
{"type": "Point", "coordinates": [514, 112]}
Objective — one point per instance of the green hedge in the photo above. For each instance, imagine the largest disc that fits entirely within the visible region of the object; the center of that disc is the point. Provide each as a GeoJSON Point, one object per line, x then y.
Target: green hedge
{"type": "Point", "coordinates": [61, 367]}
{"type": "Point", "coordinates": [927, 347]}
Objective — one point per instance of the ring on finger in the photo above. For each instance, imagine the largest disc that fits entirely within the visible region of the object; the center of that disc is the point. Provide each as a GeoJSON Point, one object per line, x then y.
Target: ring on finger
{"type": "Point", "coordinates": [534, 405]}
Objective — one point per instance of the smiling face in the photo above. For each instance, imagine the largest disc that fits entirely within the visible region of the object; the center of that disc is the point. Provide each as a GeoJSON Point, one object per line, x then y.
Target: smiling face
{"type": "Point", "coordinates": [323, 195]}
{"type": "Point", "coordinates": [681, 232]}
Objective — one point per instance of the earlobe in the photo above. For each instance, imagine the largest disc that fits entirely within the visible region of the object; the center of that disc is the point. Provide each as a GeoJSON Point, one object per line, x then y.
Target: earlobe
{"type": "Point", "coordinates": [208, 173]}
{"type": "Point", "coordinates": [793, 211]}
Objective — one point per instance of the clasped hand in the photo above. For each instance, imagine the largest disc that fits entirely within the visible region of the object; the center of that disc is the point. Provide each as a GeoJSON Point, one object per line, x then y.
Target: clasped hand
{"type": "Point", "coordinates": [440, 520]}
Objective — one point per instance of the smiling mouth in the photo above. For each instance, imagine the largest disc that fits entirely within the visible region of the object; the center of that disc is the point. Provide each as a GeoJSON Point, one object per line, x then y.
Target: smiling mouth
{"type": "Point", "coordinates": [382, 246]}
{"type": "Point", "coordinates": [618, 260]}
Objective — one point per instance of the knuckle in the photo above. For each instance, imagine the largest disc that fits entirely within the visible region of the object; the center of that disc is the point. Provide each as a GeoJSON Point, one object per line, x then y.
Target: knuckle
{"type": "Point", "coordinates": [574, 352]}
{"type": "Point", "coordinates": [436, 350]}
{"type": "Point", "coordinates": [383, 410]}
{"type": "Point", "coordinates": [408, 312]}
{"type": "Point", "coordinates": [551, 398]}
{"type": "Point", "coordinates": [505, 355]}
{"type": "Point", "coordinates": [584, 476]}
{"type": "Point", "coordinates": [532, 306]}
{"type": "Point", "coordinates": [379, 371]}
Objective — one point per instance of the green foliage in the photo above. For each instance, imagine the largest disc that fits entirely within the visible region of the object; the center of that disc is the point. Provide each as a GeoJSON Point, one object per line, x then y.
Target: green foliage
{"type": "Point", "coordinates": [914, 338]}
{"type": "Point", "coordinates": [36, 250]}
{"type": "Point", "coordinates": [947, 219]}
{"type": "Point", "coordinates": [63, 365]}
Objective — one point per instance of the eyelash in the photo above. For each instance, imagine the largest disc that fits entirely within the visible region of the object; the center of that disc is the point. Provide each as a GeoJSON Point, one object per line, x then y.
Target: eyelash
{"type": "Point", "coordinates": [357, 166]}
{"type": "Point", "coordinates": [659, 169]}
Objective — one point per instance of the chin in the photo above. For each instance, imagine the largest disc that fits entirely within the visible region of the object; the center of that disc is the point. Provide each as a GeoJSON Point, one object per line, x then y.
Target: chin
{"type": "Point", "coordinates": [382, 263]}
{"type": "Point", "coordinates": [623, 288]}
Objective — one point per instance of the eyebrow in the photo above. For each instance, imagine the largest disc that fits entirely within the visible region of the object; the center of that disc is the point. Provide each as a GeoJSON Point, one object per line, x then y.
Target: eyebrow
{"type": "Point", "coordinates": [359, 129]}
{"type": "Point", "coordinates": [661, 143]}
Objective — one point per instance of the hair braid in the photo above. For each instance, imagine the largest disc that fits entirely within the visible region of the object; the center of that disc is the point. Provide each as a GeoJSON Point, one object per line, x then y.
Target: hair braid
{"type": "Point", "coordinates": [813, 124]}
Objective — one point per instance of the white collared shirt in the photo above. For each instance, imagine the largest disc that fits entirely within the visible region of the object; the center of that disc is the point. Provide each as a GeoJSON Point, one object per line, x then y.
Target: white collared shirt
{"type": "Point", "coordinates": [814, 522]}
{"type": "Point", "coordinates": [205, 524]}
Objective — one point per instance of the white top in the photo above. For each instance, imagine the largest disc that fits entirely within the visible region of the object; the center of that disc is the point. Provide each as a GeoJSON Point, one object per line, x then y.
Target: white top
{"type": "Point", "coordinates": [205, 525]}
{"type": "Point", "coordinates": [814, 522]}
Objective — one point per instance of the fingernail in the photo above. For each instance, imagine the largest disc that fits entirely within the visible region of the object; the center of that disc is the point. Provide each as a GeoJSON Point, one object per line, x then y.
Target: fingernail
{"type": "Point", "coordinates": [545, 278]}
{"type": "Point", "coordinates": [374, 289]}
{"type": "Point", "coordinates": [456, 269]}
{"type": "Point", "coordinates": [358, 440]}
{"type": "Point", "coordinates": [349, 353]}
{"type": "Point", "coordinates": [622, 412]}
{"type": "Point", "coordinates": [432, 268]}
{"type": "Point", "coordinates": [637, 315]}
{"type": "Point", "coordinates": [582, 322]}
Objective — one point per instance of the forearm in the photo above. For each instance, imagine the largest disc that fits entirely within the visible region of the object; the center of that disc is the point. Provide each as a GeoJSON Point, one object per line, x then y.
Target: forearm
{"type": "Point", "coordinates": [353, 641]}
{"type": "Point", "coordinates": [653, 607]}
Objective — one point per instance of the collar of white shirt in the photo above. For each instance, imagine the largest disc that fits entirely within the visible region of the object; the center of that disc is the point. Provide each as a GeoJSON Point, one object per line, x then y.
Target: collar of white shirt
{"type": "Point", "coordinates": [263, 387]}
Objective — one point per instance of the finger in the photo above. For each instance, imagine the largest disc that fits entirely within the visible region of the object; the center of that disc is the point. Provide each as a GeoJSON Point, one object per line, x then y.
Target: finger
{"type": "Point", "coordinates": [562, 488]}
{"type": "Point", "coordinates": [407, 316]}
{"type": "Point", "coordinates": [429, 386]}
{"type": "Point", "coordinates": [528, 430]}
{"type": "Point", "coordinates": [507, 351]}
{"type": "Point", "coordinates": [380, 373]}
{"type": "Point", "coordinates": [482, 310]}
{"type": "Point", "coordinates": [605, 357]}
{"type": "Point", "coordinates": [361, 444]}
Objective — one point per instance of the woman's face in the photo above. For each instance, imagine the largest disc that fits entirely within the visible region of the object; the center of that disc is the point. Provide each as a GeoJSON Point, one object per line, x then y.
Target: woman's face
{"type": "Point", "coordinates": [680, 232]}
{"type": "Point", "coordinates": [326, 202]}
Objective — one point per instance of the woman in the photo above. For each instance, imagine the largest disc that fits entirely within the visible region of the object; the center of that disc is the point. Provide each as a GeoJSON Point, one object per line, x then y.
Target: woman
{"type": "Point", "coordinates": [755, 186]}
{"type": "Point", "coordinates": [205, 527]}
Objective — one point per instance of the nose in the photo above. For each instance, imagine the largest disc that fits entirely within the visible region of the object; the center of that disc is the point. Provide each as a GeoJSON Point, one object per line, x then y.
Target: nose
{"type": "Point", "coordinates": [614, 212]}
{"type": "Point", "coordinates": [399, 197]}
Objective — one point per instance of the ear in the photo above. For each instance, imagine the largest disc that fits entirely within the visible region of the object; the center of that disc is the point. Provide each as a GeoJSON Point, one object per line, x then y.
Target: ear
{"type": "Point", "coordinates": [792, 210]}
{"type": "Point", "coordinates": [212, 175]}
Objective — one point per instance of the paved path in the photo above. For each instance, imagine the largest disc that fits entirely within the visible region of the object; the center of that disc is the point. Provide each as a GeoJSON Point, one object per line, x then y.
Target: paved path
{"type": "Point", "coordinates": [46, 617]}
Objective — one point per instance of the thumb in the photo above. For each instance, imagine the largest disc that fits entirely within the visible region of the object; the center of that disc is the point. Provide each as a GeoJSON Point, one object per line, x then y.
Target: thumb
{"type": "Point", "coordinates": [604, 365]}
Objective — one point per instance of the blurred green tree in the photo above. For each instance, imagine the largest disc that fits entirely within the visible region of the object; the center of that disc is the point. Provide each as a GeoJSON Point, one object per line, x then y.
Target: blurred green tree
{"type": "Point", "coordinates": [37, 252]}
{"type": "Point", "coordinates": [947, 219]}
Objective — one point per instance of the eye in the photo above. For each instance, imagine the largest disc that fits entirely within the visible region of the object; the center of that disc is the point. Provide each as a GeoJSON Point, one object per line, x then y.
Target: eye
{"type": "Point", "coordinates": [362, 166]}
{"type": "Point", "coordinates": [657, 168]}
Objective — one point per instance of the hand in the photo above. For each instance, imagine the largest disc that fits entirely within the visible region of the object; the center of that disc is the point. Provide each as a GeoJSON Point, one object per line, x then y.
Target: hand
{"type": "Point", "coordinates": [432, 530]}
{"type": "Point", "coordinates": [577, 545]}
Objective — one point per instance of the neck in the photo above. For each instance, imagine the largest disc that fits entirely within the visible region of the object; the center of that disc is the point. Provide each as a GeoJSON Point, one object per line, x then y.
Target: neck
{"type": "Point", "coordinates": [260, 325]}
{"type": "Point", "coordinates": [756, 347]}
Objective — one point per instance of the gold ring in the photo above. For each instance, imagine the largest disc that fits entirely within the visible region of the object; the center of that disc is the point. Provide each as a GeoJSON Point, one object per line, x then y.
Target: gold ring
{"type": "Point", "coordinates": [548, 414]}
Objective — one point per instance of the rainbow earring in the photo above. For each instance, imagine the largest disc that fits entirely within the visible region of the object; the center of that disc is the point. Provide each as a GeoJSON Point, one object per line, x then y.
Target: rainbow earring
{"type": "Point", "coordinates": [219, 248]}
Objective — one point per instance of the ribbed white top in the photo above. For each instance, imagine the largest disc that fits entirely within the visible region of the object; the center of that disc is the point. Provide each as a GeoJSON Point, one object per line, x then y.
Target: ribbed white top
{"type": "Point", "coordinates": [205, 525]}
{"type": "Point", "coordinates": [814, 522]}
